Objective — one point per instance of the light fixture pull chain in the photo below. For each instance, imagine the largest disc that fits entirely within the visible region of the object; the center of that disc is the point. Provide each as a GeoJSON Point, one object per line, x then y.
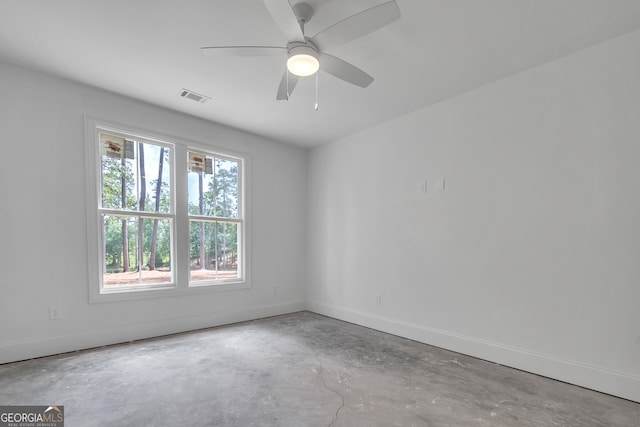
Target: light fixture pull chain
{"type": "Point", "coordinates": [316, 91]}
{"type": "Point", "coordinates": [287, 71]}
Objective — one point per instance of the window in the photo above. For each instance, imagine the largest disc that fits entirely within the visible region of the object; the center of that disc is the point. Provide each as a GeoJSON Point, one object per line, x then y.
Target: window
{"type": "Point", "coordinates": [167, 216]}
{"type": "Point", "coordinates": [214, 223]}
{"type": "Point", "coordinates": [136, 212]}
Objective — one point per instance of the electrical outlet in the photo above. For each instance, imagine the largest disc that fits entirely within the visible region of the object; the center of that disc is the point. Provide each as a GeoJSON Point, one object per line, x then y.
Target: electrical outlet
{"type": "Point", "coordinates": [377, 298]}
{"type": "Point", "coordinates": [54, 312]}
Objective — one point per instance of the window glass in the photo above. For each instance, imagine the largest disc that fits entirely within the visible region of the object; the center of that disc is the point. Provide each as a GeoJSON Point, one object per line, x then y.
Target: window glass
{"type": "Point", "coordinates": [214, 251]}
{"type": "Point", "coordinates": [214, 209]}
{"type": "Point", "coordinates": [135, 180]}
{"type": "Point", "coordinates": [213, 186]}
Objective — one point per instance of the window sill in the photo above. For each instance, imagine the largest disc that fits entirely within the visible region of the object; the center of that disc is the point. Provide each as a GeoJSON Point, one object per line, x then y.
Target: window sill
{"type": "Point", "coordinates": [166, 291]}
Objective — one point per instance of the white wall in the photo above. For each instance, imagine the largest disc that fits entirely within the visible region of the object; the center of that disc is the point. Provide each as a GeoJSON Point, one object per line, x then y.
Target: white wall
{"type": "Point", "coordinates": [43, 245]}
{"type": "Point", "coordinates": [531, 255]}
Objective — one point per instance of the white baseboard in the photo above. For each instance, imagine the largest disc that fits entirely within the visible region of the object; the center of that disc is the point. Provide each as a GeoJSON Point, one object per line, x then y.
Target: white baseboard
{"type": "Point", "coordinates": [45, 346]}
{"type": "Point", "coordinates": [608, 381]}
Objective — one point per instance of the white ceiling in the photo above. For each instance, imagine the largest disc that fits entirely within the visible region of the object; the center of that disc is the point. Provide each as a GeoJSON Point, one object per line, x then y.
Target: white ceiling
{"type": "Point", "coordinates": [150, 50]}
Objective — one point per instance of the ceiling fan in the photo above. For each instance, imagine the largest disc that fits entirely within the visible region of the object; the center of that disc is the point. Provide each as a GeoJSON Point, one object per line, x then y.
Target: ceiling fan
{"type": "Point", "coordinates": [305, 55]}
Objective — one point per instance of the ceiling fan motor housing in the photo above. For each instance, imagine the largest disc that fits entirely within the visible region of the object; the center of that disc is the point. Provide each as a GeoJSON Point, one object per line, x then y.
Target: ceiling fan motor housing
{"type": "Point", "coordinates": [299, 48]}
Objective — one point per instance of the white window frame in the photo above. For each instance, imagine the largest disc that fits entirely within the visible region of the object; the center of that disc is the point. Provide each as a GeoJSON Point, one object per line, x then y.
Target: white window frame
{"type": "Point", "coordinates": [239, 221]}
{"type": "Point", "coordinates": [171, 215]}
{"type": "Point", "coordinates": [180, 215]}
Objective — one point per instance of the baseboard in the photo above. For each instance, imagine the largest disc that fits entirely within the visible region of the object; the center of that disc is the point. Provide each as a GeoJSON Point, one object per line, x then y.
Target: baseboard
{"type": "Point", "coordinates": [45, 346]}
{"type": "Point", "coordinates": [603, 380]}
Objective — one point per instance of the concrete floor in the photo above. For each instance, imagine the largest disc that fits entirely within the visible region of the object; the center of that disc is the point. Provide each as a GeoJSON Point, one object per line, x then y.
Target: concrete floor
{"type": "Point", "coordinates": [298, 370]}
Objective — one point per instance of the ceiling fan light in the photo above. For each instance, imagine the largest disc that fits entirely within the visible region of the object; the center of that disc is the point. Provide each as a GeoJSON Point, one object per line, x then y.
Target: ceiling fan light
{"type": "Point", "coordinates": [303, 59]}
{"type": "Point", "coordinates": [303, 64]}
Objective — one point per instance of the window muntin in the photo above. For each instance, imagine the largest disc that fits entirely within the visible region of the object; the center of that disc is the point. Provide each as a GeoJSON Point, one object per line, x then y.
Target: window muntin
{"type": "Point", "coordinates": [214, 195]}
{"type": "Point", "coordinates": [136, 210]}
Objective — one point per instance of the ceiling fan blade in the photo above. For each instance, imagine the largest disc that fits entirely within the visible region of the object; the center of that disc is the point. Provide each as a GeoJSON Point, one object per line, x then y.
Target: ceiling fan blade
{"type": "Point", "coordinates": [357, 25]}
{"type": "Point", "coordinates": [243, 50]}
{"type": "Point", "coordinates": [282, 89]}
{"type": "Point", "coordinates": [344, 71]}
{"type": "Point", "coordinates": [283, 15]}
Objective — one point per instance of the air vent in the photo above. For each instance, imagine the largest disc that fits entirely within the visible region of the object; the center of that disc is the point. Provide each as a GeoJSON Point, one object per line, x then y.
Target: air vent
{"type": "Point", "coordinates": [189, 94]}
